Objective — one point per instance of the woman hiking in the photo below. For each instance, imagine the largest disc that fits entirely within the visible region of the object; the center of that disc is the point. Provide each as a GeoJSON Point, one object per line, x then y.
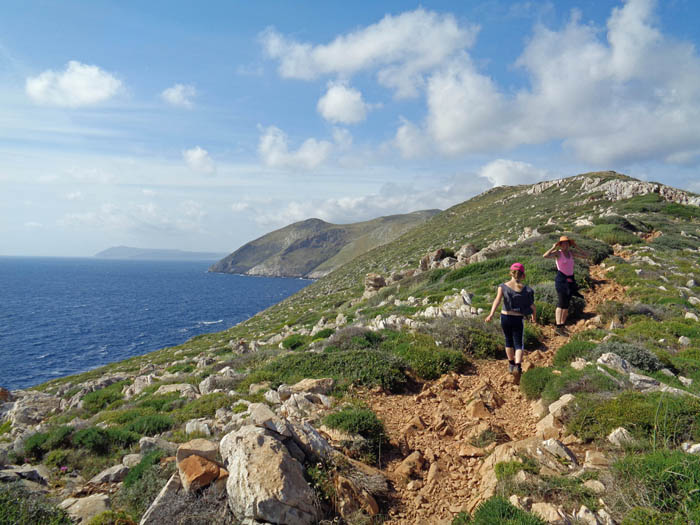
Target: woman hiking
{"type": "Point", "coordinates": [518, 301]}
{"type": "Point", "coordinates": [564, 251]}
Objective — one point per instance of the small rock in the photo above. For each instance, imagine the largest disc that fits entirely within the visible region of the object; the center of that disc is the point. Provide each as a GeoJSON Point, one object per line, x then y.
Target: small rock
{"type": "Point", "coordinates": [272, 396]}
{"type": "Point", "coordinates": [411, 465]}
{"type": "Point", "coordinates": [620, 437]}
{"type": "Point", "coordinates": [605, 518]}
{"type": "Point", "coordinates": [690, 315]}
{"type": "Point", "coordinates": [685, 380]}
{"type": "Point", "coordinates": [469, 451]}
{"type": "Point", "coordinates": [586, 516]}
{"type": "Point", "coordinates": [558, 449]}
{"type": "Point", "coordinates": [184, 389]}
{"type": "Point", "coordinates": [198, 447]}
{"type": "Point", "coordinates": [477, 410]}
{"type": "Point", "coordinates": [579, 363]}
{"type": "Point", "coordinates": [595, 460]}
{"type": "Point", "coordinates": [113, 474]}
{"type": "Point", "coordinates": [691, 448]}
{"type": "Point", "coordinates": [131, 460]}
{"type": "Point", "coordinates": [546, 511]}
{"type": "Point", "coordinates": [198, 426]}
{"type": "Point", "coordinates": [197, 472]}
{"type": "Point", "coordinates": [549, 427]}
{"type": "Point", "coordinates": [432, 473]}
{"type": "Point", "coordinates": [254, 388]}
{"type": "Point", "coordinates": [691, 283]}
{"type": "Point", "coordinates": [694, 301]}
{"type": "Point", "coordinates": [262, 416]}
{"type": "Point", "coordinates": [684, 341]}
{"type": "Point", "coordinates": [315, 386]}
{"type": "Point", "coordinates": [149, 444]}
{"type": "Point", "coordinates": [539, 408]}
{"type": "Point", "coordinates": [557, 407]}
{"type": "Point", "coordinates": [615, 362]}
{"type": "Point", "coordinates": [642, 382]}
{"type": "Point", "coordinates": [82, 510]}
{"type": "Point", "coordinates": [594, 485]}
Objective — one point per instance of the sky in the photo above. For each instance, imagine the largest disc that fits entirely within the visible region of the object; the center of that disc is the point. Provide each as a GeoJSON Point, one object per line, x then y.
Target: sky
{"type": "Point", "coordinates": [201, 126]}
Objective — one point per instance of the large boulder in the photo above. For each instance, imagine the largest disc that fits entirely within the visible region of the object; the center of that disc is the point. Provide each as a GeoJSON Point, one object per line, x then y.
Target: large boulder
{"type": "Point", "coordinates": [315, 386]}
{"type": "Point", "coordinates": [198, 447]}
{"type": "Point", "coordinates": [265, 482]}
{"type": "Point", "coordinates": [184, 389]}
{"type": "Point", "coordinates": [139, 385]}
{"type": "Point", "coordinates": [32, 408]}
{"type": "Point", "coordinates": [82, 510]}
{"type": "Point", "coordinates": [197, 472]}
{"type": "Point", "coordinates": [113, 474]}
{"type": "Point", "coordinates": [219, 382]}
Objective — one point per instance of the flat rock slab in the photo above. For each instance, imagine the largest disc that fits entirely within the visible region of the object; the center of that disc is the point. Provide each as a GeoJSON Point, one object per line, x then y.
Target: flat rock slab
{"type": "Point", "coordinates": [82, 510]}
{"type": "Point", "coordinates": [198, 447]}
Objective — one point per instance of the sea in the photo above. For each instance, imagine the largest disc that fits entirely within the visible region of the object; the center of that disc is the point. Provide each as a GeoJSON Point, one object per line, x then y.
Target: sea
{"type": "Point", "coordinates": [60, 316]}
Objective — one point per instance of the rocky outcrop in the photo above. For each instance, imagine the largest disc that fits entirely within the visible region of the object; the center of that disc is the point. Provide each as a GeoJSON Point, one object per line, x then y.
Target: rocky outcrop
{"type": "Point", "coordinates": [82, 510]}
{"type": "Point", "coordinates": [32, 408]}
{"type": "Point", "coordinates": [265, 482]}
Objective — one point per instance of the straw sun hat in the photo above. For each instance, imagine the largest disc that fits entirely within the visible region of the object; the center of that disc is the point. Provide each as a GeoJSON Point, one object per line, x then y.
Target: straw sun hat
{"type": "Point", "coordinates": [564, 238]}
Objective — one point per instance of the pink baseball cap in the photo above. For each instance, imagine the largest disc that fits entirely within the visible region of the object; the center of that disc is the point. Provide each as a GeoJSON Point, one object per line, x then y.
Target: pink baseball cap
{"type": "Point", "coordinates": [518, 266]}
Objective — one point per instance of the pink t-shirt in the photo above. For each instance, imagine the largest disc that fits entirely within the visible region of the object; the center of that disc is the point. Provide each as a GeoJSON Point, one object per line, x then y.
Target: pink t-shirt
{"type": "Point", "coordinates": [565, 264]}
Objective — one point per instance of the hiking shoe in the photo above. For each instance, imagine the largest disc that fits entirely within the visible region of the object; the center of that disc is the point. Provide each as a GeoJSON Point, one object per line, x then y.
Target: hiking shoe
{"type": "Point", "coordinates": [512, 368]}
{"type": "Point", "coordinates": [561, 330]}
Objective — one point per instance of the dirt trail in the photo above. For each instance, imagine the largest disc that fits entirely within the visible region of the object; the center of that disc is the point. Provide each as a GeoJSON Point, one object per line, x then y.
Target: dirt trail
{"type": "Point", "coordinates": [438, 423]}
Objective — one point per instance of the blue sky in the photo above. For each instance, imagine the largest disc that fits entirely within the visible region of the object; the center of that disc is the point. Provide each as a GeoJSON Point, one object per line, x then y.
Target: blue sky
{"type": "Point", "coordinates": [200, 127]}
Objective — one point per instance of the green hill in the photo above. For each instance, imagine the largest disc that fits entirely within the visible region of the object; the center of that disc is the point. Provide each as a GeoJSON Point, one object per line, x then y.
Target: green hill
{"type": "Point", "coordinates": [313, 248]}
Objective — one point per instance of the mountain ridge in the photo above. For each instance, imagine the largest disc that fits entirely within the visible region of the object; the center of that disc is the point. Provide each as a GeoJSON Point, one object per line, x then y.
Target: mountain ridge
{"type": "Point", "coordinates": [129, 252]}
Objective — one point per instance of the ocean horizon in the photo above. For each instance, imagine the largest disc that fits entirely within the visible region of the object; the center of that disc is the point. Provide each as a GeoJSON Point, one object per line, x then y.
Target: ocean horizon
{"type": "Point", "coordinates": [64, 315]}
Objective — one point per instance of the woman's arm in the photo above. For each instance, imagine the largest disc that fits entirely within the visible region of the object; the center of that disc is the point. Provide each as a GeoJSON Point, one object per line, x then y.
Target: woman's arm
{"type": "Point", "coordinates": [552, 252]}
{"type": "Point", "coordinates": [533, 317]}
{"type": "Point", "coordinates": [496, 302]}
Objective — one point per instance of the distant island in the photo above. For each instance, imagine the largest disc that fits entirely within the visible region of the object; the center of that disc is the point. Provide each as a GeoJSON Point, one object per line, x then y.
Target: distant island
{"type": "Point", "coordinates": [128, 252]}
{"type": "Point", "coordinates": [314, 248]}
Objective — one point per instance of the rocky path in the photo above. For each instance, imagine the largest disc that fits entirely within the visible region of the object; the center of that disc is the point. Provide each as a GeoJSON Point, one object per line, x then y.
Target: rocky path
{"type": "Point", "coordinates": [439, 434]}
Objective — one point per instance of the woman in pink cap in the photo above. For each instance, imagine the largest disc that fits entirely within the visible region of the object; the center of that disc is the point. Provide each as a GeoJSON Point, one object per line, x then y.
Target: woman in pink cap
{"type": "Point", "coordinates": [518, 301]}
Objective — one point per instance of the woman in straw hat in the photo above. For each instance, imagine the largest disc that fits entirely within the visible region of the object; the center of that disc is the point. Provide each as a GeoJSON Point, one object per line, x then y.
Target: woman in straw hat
{"type": "Point", "coordinates": [564, 251]}
{"type": "Point", "coordinates": [518, 301]}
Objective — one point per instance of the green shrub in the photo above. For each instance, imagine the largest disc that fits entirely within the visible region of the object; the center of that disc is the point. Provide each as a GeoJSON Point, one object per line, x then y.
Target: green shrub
{"type": "Point", "coordinates": [101, 440]}
{"type": "Point", "coordinates": [95, 401]}
{"type": "Point", "coordinates": [294, 341]}
{"type": "Point", "coordinates": [421, 354]}
{"type": "Point", "coordinates": [672, 242]}
{"type": "Point", "coordinates": [324, 334]}
{"type": "Point", "coordinates": [150, 425]}
{"type": "Point", "coordinates": [360, 421]}
{"type": "Point", "coordinates": [532, 336]}
{"type": "Point", "coordinates": [138, 496]}
{"type": "Point", "coordinates": [471, 336]}
{"type": "Point", "coordinates": [363, 367]}
{"type": "Point", "coordinates": [666, 481]}
{"type": "Point", "coordinates": [507, 469]}
{"type": "Point", "coordinates": [478, 268]}
{"type": "Point", "coordinates": [181, 367]}
{"type": "Point", "coordinates": [681, 210]}
{"type": "Point", "coordinates": [498, 510]}
{"type": "Point", "coordinates": [572, 381]}
{"type": "Point", "coordinates": [34, 445]}
{"type": "Point", "coordinates": [650, 202]}
{"type": "Point", "coordinates": [21, 507]}
{"type": "Point", "coordinates": [637, 356]}
{"type": "Point", "coordinates": [533, 381]}
{"type": "Point", "coordinates": [58, 438]}
{"type": "Point", "coordinates": [203, 406]}
{"type": "Point", "coordinates": [571, 350]}
{"type": "Point", "coordinates": [147, 462]}
{"type": "Point", "coordinates": [354, 338]}
{"type": "Point", "coordinates": [545, 312]}
{"type": "Point", "coordinates": [160, 403]}
{"type": "Point", "coordinates": [436, 275]}
{"type": "Point", "coordinates": [657, 416]}
{"type": "Point", "coordinates": [5, 427]}
{"type": "Point", "coordinates": [111, 517]}
{"type": "Point", "coordinates": [57, 458]}
{"type": "Point", "coordinates": [616, 220]}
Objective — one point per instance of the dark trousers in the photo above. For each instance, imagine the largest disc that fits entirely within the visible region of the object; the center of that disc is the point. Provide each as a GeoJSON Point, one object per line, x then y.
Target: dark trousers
{"type": "Point", "coordinates": [513, 328]}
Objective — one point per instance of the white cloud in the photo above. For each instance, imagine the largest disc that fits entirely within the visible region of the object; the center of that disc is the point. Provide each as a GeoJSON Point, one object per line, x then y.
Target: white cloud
{"type": "Point", "coordinates": [179, 95]}
{"type": "Point", "coordinates": [621, 98]}
{"type": "Point", "coordinates": [74, 195]}
{"type": "Point", "coordinates": [503, 172]}
{"type": "Point", "coordinates": [149, 192]}
{"type": "Point", "coordinates": [401, 48]}
{"type": "Point", "coordinates": [410, 140]}
{"type": "Point", "coordinates": [391, 199]}
{"type": "Point", "coordinates": [79, 85]}
{"type": "Point", "coordinates": [273, 149]}
{"type": "Point", "coordinates": [33, 225]}
{"type": "Point", "coordinates": [240, 206]}
{"type": "Point", "coordinates": [342, 104]}
{"type": "Point", "coordinates": [198, 159]}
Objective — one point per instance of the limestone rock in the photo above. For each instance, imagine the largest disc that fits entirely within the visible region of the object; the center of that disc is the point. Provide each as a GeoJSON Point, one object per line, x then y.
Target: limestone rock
{"type": "Point", "coordinates": [587, 516]}
{"type": "Point", "coordinates": [352, 499]}
{"type": "Point", "coordinates": [691, 448]}
{"type": "Point", "coordinates": [595, 485]}
{"type": "Point", "coordinates": [131, 460]}
{"type": "Point", "coordinates": [198, 426]}
{"type": "Point", "coordinates": [32, 408]}
{"type": "Point", "coordinates": [168, 503]}
{"type": "Point", "coordinates": [620, 437]}
{"type": "Point", "coordinates": [149, 444]}
{"type": "Point", "coordinates": [254, 388]}
{"type": "Point", "coordinates": [262, 416]}
{"type": "Point", "coordinates": [139, 385]}
{"type": "Point", "coordinates": [197, 472]}
{"type": "Point", "coordinates": [265, 483]}
{"type": "Point", "coordinates": [579, 363]}
{"type": "Point", "coordinates": [219, 382]}
{"type": "Point", "coordinates": [596, 460]}
{"type": "Point", "coordinates": [548, 512]}
{"type": "Point", "coordinates": [184, 389]}
{"type": "Point", "coordinates": [35, 473]}
{"type": "Point", "coordinates": [684, 341]}
{"type": "Point", "coordinates": [477, 410]}
{"type": "Point", "coordinates": [549, 427]}
{"type": "Point", "coordinates": [410, 465]}
{"type": "Point", "coordinates": [82, 510]}
{"type": "Point", "coordinates": [615, 362]}
{"type": "Point", "coordinates": [272, 396]}
{"type": "Point", "coordinates": [642, 382]}
{"type": "Point", "coordinates": [198, 447]}
{"type": "Point", "coordinates": [314, 446]}
{"type": "Point", "coordinates": [558, 449]}
{"type": "Point", "coordinates": [113, 474]}
{"type": "Point", "coordinates": [557, 407]}
{"type": "Point", "coordinates": [692, 316]}
{"type": "Point", "coordinates": [539, 408]}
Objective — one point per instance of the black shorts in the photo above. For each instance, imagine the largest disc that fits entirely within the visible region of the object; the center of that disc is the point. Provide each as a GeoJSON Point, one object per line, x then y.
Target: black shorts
{"type": "Point", "coordinates": [513, 328]}
{"type": "Point", "coordinates": [566, 287]}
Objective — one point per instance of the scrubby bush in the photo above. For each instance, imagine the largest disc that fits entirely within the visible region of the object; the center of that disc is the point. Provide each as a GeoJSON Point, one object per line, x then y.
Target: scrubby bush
{"type": "Point", "coordinates": [181, 367]}
{"type": "Point", "coordinates": [360, 421]}
{"type": "Point", "coordinates": [533, 381]}
{"type": "Point", "coordinates": [34, 445]}
{"type": "Point", "coordinates": [203, 406]}
{"type": "Point", "coordinates": [498, 510]}
{"type": "Point", "coordinates": [21, 507]}
{"type": "Point", "coordinates": [507, 469]}
{"type": "Point", "coordinates": [151, 424]}
{"type": "Point", "coordinates": [111, 517]}
{"type": "Point", "coordinates": [471, 336]}
{"type": "Point", "coordinates": [571, 350]}
{"type": "Point", "coordinates": [324, 334]}
{"type": "Point", "coordinates": [673, 242]}
{"type": "Point", "coordinates": [147, 461]}
{"type": "Point", "coordinates": [95, 401]}
{"type": "Point", "coordinates": [664, 484]}
{"type": "Point", "coordinates": [354, 338]}
{"type": "Point", "coordinates": [138, 496]}
{"type": "Point", "coordinates": [572, 381]}
{"type": "Point", "coordinates": [421, 354]}
{"type": "Point", "coordinates": [295, 341]}
{"type": "Point", "coordinates": [616, 220]}
{"type": "Point", "coordinates": [615, 310]}
{"type": "Point", "coordinates": [532, 336]}
{"type": "Point", "coordinates": [101, 440]}
{"type": "Point", "coordinates": [657, 416]}
{"type": "Point", "coordinates": [638, 356]}
{"type": "Point", "coordinates": [57, 458]}
{"type": "Point", "coordinates": [545, 312]}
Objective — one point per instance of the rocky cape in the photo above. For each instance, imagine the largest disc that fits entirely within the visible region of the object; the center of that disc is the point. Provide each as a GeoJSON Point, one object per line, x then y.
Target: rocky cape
{"type": "Point", "coordinates": [313, 248]}
{"type": "Point", "coordinates": [153, 254]}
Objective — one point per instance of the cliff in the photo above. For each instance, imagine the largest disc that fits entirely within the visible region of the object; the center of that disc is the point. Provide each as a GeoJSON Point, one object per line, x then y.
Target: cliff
{"type": "Point", "coordinates": [314, 248]}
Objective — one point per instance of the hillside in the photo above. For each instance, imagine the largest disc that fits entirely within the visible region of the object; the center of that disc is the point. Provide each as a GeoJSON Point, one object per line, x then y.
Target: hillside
{"type": "Point", "coordinates": [313, 248]}
{"type": "Point", "coordinates": [379, 394]}
{"type": "Point", "coordinates": [128, 252]}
